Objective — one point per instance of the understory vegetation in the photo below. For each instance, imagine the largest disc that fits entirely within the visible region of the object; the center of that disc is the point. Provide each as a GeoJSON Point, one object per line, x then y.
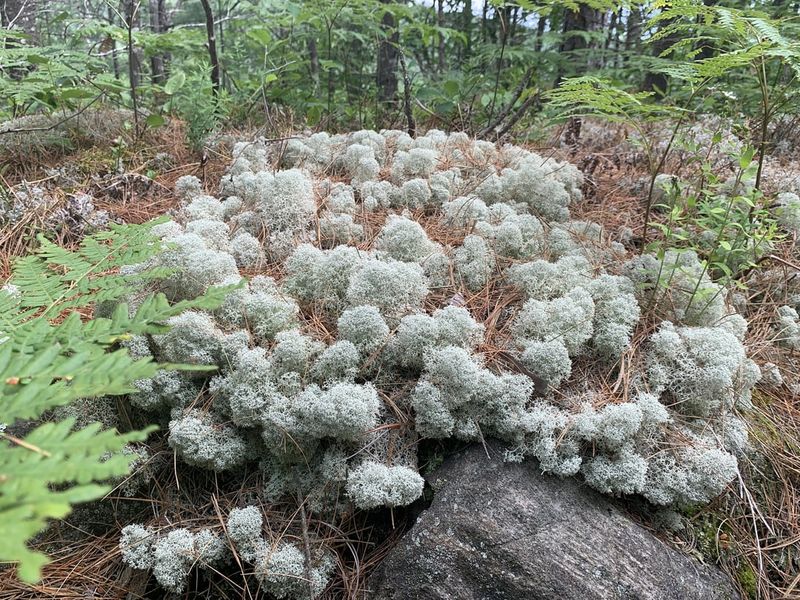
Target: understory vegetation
{"type": "Point", "coordinates": [264, 264]}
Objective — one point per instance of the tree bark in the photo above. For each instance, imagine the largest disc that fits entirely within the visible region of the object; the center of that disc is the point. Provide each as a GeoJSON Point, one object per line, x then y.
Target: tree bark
{"type": "Point", "coordinates": [113, 43]}
{"type": "Point", "coordinates": [407, 109]}
{"type": "Point", "coordinates": [541, 24]}
{"type": "Point", "coordinates": [313, 61]}
{"type": "Point", "coordinates": [388, 55]}
{"type": "Point", "coordinates": [157, 59]}
{"type": "Point", "coordinates": [612, 29]}
{"type": "Point", "coordinates": [484, 18]}
{"type": "Point", "coordinates": [212, 48]}
{"type": "Point", "coordinates": [466, 27]}
{"type": "Point", "coordinates": [584, 19]}
{"type": "Point", "coordinates": [134, 67]}
{"type": "Point", "coordinates": [21, 16]}
{"type": "Point", "coordinates": [576, 22]}
{"type": "Point", "coordinates": [654, 81]}
{"type": "Point", "coordinates": [440, 23]}
{"type": "Point", "coordinates": [633, 33]}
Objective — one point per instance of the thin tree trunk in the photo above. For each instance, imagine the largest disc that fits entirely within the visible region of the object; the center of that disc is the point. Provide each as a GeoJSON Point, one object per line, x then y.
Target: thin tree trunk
{"type": "Point", "coordinates": [584, 19]}
{"type": "Point", "coordinates": [707, 48]}
{"type": "Point", "coordinates": [633, 33]}
{"type": "Point", "coordinates": [655, 81]}
{"type": "Point", "coordinates": [503, 32]}
{"type": "Point", "coordinates": [212, 48]}
{"type": "Point", "coordinates": [388, 56]}
{"type": "Point", "coordinates": [157, 59]}
{"type": "Point", "coordinates": [331, 83]}
{"type": "Point", "coordinates": [412, 125]}
{"type": "Point", "coordinates": [612, 25]}
{"type": "Point", "coordinates": [21, 15]}
{"type": "Point", "coordinates": [512, 30]}
{"type": "Point", "coordinates": [440, 22]}
{"type": "Point", "coordinates": [221, 39]}
{"type": "Point", "coordinates": [133, 61]}
{"type": "Point", "coordinates": [466, 27]}
{"type": "Point", "coordinates": [165, 22]}
{"type": "Point", "coordinates": [484, 17]}
{"type": "Point", "coordinates": [313, 60]}
{"type": "Point", "coordinates": [541, 24]}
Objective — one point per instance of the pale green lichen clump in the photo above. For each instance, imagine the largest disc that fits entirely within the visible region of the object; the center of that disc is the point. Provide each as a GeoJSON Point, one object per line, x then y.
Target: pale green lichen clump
{"type": "Point", "coordinates": [404, 289]}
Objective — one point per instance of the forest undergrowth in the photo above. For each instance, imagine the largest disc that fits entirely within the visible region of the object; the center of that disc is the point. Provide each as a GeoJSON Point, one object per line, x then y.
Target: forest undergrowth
{"type": "Point", "coordinates": [751, 530]}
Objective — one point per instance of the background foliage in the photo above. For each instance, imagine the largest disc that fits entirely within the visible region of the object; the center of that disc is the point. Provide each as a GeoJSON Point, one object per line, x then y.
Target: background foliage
{"type": "Point", "coordinates": [473, 66]}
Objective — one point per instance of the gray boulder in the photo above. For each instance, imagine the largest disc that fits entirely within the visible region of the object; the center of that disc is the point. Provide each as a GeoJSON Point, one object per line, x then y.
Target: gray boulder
{"type": "Point", "coordinates": [500, 530]}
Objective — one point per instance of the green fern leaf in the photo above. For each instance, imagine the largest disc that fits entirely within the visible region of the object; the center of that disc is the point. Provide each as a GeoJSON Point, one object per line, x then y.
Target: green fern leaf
{"type": "Point", "coordinates": [51, 355]}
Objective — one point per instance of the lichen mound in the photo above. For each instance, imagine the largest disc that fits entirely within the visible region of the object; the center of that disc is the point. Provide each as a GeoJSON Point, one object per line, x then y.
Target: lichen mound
{"type": "Point", "coordinates": [402, 289]}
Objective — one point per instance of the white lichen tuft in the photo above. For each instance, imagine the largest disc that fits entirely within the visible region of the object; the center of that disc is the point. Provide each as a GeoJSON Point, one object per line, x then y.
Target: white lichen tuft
{"type": "Point", "coordinates": [788, 211]}
{"type": "Point", "coordinates": [171, 556]}
{"type": "Point", "coordinates": [405, 240]}
{"type": "Point", "coordinates": [244, 530]}
{"type": "Point", "coordinates": [704, 369]}
{"type": "Point", "coordinates": [787, 328]}
{"type": "Point", "coordinates": [372, 484]}
{"type": "Point", "coordinates": [395, 288]}
{"type": "Point", "coordinates": [203, 441]}
{"type": "Point", "coordinates": [283, 573]}
{"type": "Point", "coordinates": [568, 319]}
{"type": "Point", "coordinates": [474, 262]}
{"type": "Point", "coordinates": [364, 327]}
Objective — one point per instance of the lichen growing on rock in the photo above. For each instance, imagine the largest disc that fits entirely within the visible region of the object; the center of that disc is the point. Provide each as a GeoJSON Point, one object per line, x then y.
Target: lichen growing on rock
{"type": "Point", "coordinates": [399, 297]}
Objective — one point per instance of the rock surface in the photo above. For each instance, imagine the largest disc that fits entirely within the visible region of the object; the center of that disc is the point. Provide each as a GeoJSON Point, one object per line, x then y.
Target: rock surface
{"type": "Point", "coordinates": [499, 530]}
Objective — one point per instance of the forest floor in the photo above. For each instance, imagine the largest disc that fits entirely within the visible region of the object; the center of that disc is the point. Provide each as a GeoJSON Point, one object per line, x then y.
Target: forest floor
{"type": "Point", "coordinates": [753, 531]}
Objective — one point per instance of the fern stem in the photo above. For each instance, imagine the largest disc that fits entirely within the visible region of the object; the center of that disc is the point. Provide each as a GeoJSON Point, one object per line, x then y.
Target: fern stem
{"type": "Point", "coordinates": [24, 444]}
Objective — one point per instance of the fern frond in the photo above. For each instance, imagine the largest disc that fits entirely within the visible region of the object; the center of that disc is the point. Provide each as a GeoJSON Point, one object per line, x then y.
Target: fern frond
{"type": "Point", "coordinates": [50, 356]}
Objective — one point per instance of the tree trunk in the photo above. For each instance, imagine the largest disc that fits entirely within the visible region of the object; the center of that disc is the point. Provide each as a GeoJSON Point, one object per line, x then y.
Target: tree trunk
{"type": "Point", "coordinates": [440, 23]}
{"type": "Point", "coordinates": [512, 30]}
{"type": "Point", "coordinates": [112, 43]}
{"type": "Point", "coordinates": [484, 18]}
{"type": "Point", "coordinates": [410, 122]}
{"type": "Point", "coordinates": [466, 27]}
{"type": "Point", "coordinates": [707, 48]}
{"type": "Point", "coordinates": [134, 65]}
{"type": "Point", "coordinates": [584, 19]}
{"type": "Point", "coordinates": [541, 25]}
{"type": "Point", "coordinates": [21, 16]}
{"type": "Point", "coordinates": [131, 9]}
{"type": "Point", "coordinates": [212, 48]}
{"type": "Point", "coordinates": [388, 55]}
{"type": "Point", "coordinates": [313, 61]}
{"type": "Point", "coordinates": [221, 40]}
{"type": "Point", "coordinates": [576, 22]}
{"type": "Point", "coordinates": [633, 33]}
{"type": "Point", "coordinates": [654, 81]}
{"type": "Point", "coordinates": [157, 59]}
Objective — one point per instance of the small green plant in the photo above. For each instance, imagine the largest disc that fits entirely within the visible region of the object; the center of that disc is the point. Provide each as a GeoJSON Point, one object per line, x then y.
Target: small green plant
{"type": "Point", "coordinates": [51, 354]}
{"type": "Point", "coordinates": [724, 221]}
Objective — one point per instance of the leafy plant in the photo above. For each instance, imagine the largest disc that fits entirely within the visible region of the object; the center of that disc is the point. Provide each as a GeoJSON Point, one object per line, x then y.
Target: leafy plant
{"type": "Point", "coordinates": [724, 221]}
{"type": "Point", "coordinates": [745, 45]}
{"type": "Point", "coordinates": [52, 353]}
